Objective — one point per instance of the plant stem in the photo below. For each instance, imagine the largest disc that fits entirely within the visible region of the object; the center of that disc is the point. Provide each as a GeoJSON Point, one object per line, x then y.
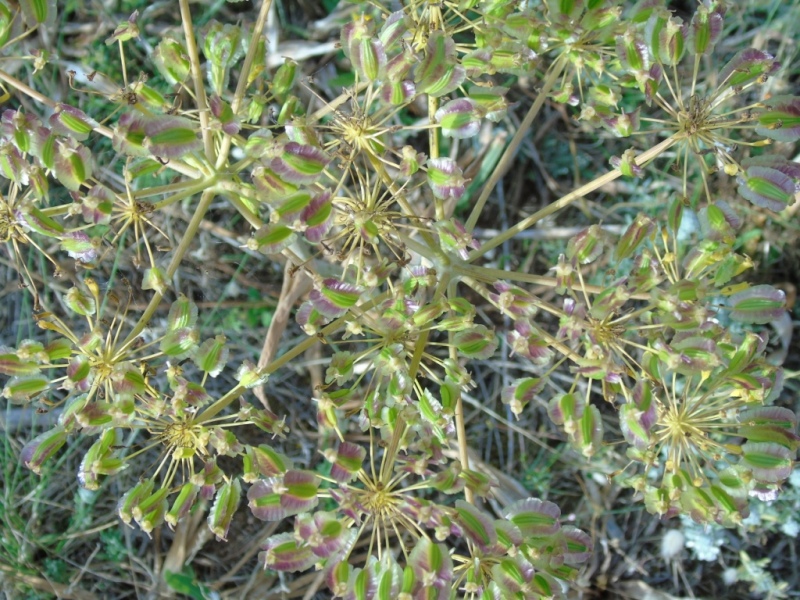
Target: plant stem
{"type": "Point", "coordinates": [434, 23]}
{"type": "Point", "coordinates": [195, 188]}
{"type": "Point", "coordinates": [489, 275]}
{"type": "Point", "coordinates": [388, 460]}
{"type": "Point", "coordinates": [332, 105]}
{"type": "Point", "coordinates": [511, 150]}
{"type": "Point", "coordinates": [55, 211]}
{"type": "Point", "coordinates": [433, 148]}
{"type": "Point", "coordinates": [177, 258]}
{"type": "Point", "coordinates": [553, 342]}
{"type": "Point", "coordinates": [197, 78]}
{"type": "Point", "coordinates": [276, 364]}
{"type": "Point", "coordinates": [243, 210]}
{"type": "Point", "coordinates": [241, 165]}
{"type": "Point", "coordinates": [568, 199]}
{"type": "Point", "coordinates": [166, 189]}
{"type": "Point", "coordinates": [421, 249]}
{"type": "Point", "coordinates": [458, 415]}
{"type": "Point", "coordinates": [244, 76]}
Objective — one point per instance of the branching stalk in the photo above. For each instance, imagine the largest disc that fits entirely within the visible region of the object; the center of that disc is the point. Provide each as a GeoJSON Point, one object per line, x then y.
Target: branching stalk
{"type": "Point", "coordinates": [215, 408]}
{"type": "Point", "coordinates": [511, 151]}
{"type": "Point", "coordinates": [568, 199]}
{"type": "Point", "coordinates": [186, 241]}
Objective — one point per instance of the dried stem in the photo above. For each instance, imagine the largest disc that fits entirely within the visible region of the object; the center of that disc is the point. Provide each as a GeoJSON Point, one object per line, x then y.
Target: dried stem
{"type": "Point", "coordinates": [295, 285]}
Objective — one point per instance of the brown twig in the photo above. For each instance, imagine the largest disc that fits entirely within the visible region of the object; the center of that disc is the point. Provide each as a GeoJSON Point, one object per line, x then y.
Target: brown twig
{"type": "Point", "coordinates": [295, 285]}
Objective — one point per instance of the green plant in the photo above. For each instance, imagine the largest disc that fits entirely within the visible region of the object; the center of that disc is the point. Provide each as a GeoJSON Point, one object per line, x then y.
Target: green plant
{"type": "Point", "coordinates": [360, 201]}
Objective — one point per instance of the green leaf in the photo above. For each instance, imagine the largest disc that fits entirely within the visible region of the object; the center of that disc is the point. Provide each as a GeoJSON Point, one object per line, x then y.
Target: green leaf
{"type": "Point", "coordinates": [70, 121]}
{"type": "Point", "coordinates": [438, 73]}
{"type": "Point", "coordinates": [746, 66]}
{"type": "Point", "coordinates": [272, 238]}
{"type": "Point", "coordinates": [477, 525]}
{"type": "Point", "coordinates": [42, 447]}
{"type": "Point", "coordinates": [334, 297]}
{"type": "Point", "coordinates": [39, 12]}
{"type": "Point", "coordinates": [183, 503]}
{"type": "Point", "coordinates": [534, 517]}
{"type": "Point", "coordinates": [182, 313]}
{"type": "Point", "coordinates": [224, 507]}
{"type": "Point", "coordinates": [758, 304]}
{"type": "Point", "coordinates": [478, 342]}
{"type": "Point", "coordinates": [21, 389]}
{"type": "Point", "coordinates": [212, 355]}
{"type": "Point", "coordinates": [171, 60]}
{"type": "Point", "coordinates": [459, 118]}
{"type": "Point", "coordinates": [284, 553]}
{"type": "Point", "coordinates": [170, 137]}
{"type": "Point", "coordinates": [186, 583]}
{"type": "Point", "coordinates": [12, 365]}
{"type": "Point", "coordinates": [180, 343]}
{"type": "Point", "coordinates": [769, 462]}
{"type": "Point", "coordinates": [781, 121]}
{"type": "Point", "coordinates": [641, 229]}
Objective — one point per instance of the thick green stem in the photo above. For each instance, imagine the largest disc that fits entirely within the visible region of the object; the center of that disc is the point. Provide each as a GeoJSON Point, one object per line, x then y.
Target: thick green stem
{"type": "Point", "coordinates": [564, 201]}
{"type": "Point", "coordinates": [241, 165]}
{"type": "Point", "coordinates": [252, 49]}
{"type": "Point", "coordinates": [511, 150]}
{"type": "Point", "coordinates": [243, 210]}
{"type": "Point", "coordinates": [418, 248]}
{"type": "Point", "coordinates": [55, 211]}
